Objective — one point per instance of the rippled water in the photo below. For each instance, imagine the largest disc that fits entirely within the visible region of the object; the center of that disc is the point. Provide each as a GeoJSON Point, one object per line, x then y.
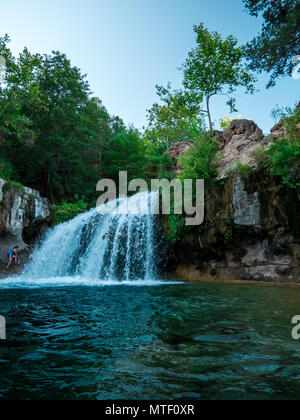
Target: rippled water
{"type": "Point", "coordinates": [204, 341]}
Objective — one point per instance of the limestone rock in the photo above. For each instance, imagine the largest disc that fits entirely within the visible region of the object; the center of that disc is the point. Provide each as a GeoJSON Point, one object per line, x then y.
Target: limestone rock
{"type": "Point", "coordinates": [19, 210]}
{"type": "Point", "coordinates": [247, 206]}
{"type": "Point", "coordinates": [278, 131]}
{"type": "Point", "coordinates": [242, 139]}
{"type": "Point", "coordinates": [176, 151]}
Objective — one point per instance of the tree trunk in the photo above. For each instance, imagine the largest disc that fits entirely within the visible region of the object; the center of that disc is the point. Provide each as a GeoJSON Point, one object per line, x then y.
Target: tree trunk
{"type": "Point", "coordinates": [208, 113]}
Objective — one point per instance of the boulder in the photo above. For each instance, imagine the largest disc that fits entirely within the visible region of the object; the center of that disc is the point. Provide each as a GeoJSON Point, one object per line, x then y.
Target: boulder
{"type": "Point", "coordinates": [177, 151]}
{"type": "Point", "coordinates": [279, 132]}
{"type": "Point", "coordinates": [238, 144]}
{"type": "Point", "coordinates": [241, 139]}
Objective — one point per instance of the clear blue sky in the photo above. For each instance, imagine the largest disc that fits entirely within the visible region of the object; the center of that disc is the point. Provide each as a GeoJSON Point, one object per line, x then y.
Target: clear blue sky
{"type": "Point", "coordinates": [126, 47]}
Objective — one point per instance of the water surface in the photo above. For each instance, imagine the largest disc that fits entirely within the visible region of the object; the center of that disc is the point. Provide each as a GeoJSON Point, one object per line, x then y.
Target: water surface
{"type": "Point", "coordinates": [173, 341]}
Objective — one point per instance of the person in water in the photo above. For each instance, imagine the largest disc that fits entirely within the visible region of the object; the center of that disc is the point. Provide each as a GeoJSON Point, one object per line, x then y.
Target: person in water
{"type": "Point", "coordinates": [12, 256]}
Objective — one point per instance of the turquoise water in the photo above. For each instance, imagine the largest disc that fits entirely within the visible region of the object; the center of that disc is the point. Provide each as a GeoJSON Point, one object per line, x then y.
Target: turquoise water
{"type": "Point", "coordinates": [173, 341]}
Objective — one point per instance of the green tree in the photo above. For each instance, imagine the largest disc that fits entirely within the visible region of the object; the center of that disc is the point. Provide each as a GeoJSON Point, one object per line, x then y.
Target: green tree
{"type": "Point", "coordinates": [125, 152]}
{"type": "Point", "coordinates": [19, 94]}
{"type": "Point", "coordinates": [215, 67]}
{"type": "Point", "coordinates": [201, 161]}
{"type": "Point", "coordinates": [51, 131]}
{"type": "Point", "coordinates": [279, 42]}
{"type": "Point", "coordinates": [176, 119]}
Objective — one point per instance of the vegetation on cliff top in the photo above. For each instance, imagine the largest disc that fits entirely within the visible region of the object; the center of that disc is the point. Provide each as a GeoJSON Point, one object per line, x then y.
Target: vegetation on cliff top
{"type": "Point", "coordinates": [282, 157]}
{"type": "Point", "coordinates": [56, 137]}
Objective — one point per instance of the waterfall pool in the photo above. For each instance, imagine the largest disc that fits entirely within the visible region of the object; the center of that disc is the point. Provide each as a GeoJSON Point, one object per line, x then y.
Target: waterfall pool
{"type": "Point", "coordinates": [174, 341]}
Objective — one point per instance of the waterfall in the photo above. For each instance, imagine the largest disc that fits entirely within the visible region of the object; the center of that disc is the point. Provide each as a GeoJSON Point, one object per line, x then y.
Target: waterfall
{"type": "Point", "coordinates": [102, 244]}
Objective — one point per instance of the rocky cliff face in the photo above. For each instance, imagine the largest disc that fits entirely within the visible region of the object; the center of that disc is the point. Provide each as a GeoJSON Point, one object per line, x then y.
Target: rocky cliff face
{"type": "Point", "coordinates": [252, 227]}
{"type": "Point", "coordinates": [23, 215]}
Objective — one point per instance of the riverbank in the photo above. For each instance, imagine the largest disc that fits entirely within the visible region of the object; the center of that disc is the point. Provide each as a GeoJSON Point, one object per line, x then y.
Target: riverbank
{"type": "Point", "coordinates": [192, 274]}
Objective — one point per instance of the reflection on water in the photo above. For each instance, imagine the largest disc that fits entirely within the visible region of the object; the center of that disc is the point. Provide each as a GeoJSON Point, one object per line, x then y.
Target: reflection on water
{"type": "Point", "coordinates": [201, 341]}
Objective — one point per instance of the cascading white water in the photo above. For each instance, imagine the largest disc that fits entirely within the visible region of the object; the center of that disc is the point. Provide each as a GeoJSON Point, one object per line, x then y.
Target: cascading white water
{"type": "Point", "coordinates": [102, 244]}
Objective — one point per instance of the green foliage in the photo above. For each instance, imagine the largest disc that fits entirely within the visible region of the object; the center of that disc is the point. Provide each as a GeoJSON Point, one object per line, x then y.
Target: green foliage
{"type": "Point", "coordinates": [176, 226]}
{"type": "Point", "coordinates": [290, 119]}
{"type": "Point", "coordinates": [7, 170]}
{"type": "Point", "coordinates": [273, 50]}
{"type": "Point", "coordinates": [225, 122]}
{"type": "Point", "coordinates": [281, 158]}
{"type": "Point", "coordinates": [214, 67]}
{"type": "Point", "coordinates": [284, 154]}
{"type": "Point", "coordinates": [176, 120]}
{"type": "Point", "coordinates": [66, 211]}
{"type": "Point", "coordinates": [201, 161]}
{"type": "Point", "coordinates": [52, 131]}
{"type": "Point", "coordinates": [13, 186]}
{"type": "Point", "coordinates": [228, 236]}
{"type": "Point", "coordinates": [243, 170]}
{"type": "Point", "coordinates": [159, 163]}
{"type": "Point", "coordinates": [126, 152]}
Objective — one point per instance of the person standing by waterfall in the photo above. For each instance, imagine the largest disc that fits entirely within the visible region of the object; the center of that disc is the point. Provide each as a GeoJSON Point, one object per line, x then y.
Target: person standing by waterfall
{"type": "Point", "coordinates": [12, 255]}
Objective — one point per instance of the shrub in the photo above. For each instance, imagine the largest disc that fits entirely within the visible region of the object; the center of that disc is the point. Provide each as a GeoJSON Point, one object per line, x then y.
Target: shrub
{"type": "Point", "coordinates": [7, 170]}
{"type": "Point", "coordinates": [284, 154]}
{"type": "Point", "coordinates": [200, 162]}
{"type": "Point", "coordinates": [67, 211]}
{"type": "Point", "coordinates": [243, 170]}
{"type": "Point", "coordinates": [225, 122]}
{"type": "Point", "coordinates": [290, 119]}
{"type": "Point", "coordinates": [13, 186]}
{"type": "Point", "coordinates": [281, 158]}
{"type": "Point", "coordinates": [176, 225]}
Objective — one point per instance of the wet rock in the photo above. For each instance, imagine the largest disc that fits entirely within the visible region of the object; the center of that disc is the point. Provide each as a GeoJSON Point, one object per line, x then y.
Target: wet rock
{"type": "Point", "coordinates": [20, 210]}
{"type": "Point", "coordinates": [247, 206]}
{"type": "Point", "coordinates": [266, 273]}
{"type": "Point", "coordinates": [213, 268]}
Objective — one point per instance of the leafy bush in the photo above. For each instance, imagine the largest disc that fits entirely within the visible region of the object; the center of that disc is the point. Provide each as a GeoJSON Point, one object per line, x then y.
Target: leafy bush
{"type": "Point", "coordinates": [14, 186]}
{"type": "Point", "coordinates": [7, 170]}
{"type": "Point", "coordinates": [201, 161]}
{"type": "Point", "coordinates": [225, 122]}
{"type": "Point", "coordinates": [67, 211]}
{"type": "Point", "coordinates": [176, 225]}
{"type": "Point", "coordinates": [281, 158]}
{"type": "Point", "coordinates": [243, 170]}
{"type": "Point", "coordinates": [284, 154]}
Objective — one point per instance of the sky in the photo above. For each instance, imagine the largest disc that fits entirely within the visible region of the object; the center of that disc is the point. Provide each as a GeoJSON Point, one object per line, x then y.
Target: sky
{"type": "Point", "coordinates": [126, 47]}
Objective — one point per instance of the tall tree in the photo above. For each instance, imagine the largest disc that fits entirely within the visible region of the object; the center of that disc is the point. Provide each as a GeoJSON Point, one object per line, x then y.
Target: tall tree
{"type": "Point", "coordinates": [52, 133]}
{"type": "Point", "coordinates": [126, 151]}
{"type": "Point", "coordinates": [279, 42]}
{"type": "Point", "coordinates": [215, 67]}
{"type": "Point", "coordinates": [176, 119]}
{"type": "Point", "coordinates": [19, 94]}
